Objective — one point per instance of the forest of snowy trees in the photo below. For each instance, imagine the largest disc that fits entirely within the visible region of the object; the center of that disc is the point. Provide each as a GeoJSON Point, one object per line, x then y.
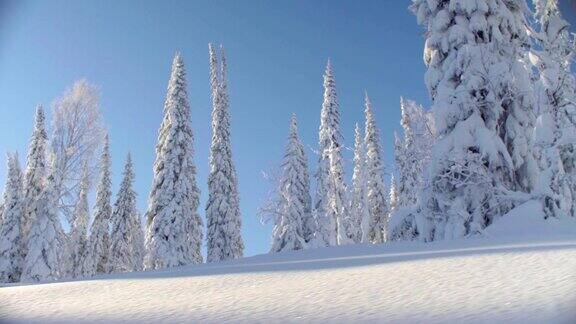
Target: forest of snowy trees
{"type": "Point", "coordinates": [500, 132]}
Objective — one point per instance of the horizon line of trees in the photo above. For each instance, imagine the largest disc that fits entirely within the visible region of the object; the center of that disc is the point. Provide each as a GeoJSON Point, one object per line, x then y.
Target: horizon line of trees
{"type": "Point", "coordinates": [57, 178]}
{"type": "Point", "coordinates": [342, 214]}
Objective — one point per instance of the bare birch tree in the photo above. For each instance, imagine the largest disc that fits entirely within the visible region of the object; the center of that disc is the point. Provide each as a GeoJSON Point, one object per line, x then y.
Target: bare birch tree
{"type": "Point", "coordinates": [78, 133]}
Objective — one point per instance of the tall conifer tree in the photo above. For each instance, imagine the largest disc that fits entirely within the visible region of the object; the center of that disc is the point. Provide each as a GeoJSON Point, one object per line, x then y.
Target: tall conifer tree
{"type": "Point", "coordinates": [294, 197]}
{"type": "Point", "coordinates": [78, 243]}
{"type": "Point", "coordinates": [359, 209]}
{"type": "Point", "coordinates": [97, 255]}
{"type": "Point", "coordinates": [377, 194]}
{"type": "Point", "coordinates": [174, 227]}
{"type": "Point", "coordinates": [331, 205]}
{"type": "Point", "coordinates": [35, 172]}
{"type": "Point", "coordinates": [126, 230]}
{"type": "Point", "coordinates": [44, 258]}
{"type": "Point", "coordinates": [555, 132]}
{"type": "Point", "coordinates": [11, 240]}
{"type": "Point", "coordinates": [224, 237]}
{"type": "Point", "coordinates": [483, 106]}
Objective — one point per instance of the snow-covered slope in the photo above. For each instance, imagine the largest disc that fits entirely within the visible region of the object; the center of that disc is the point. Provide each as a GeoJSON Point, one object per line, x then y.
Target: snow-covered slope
{"type": "Point", "coordinates": [525, 279]}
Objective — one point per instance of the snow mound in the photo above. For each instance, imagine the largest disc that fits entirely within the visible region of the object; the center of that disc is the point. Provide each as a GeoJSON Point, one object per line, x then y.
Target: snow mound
{"type": "Point", "coordinates": [527, 221]}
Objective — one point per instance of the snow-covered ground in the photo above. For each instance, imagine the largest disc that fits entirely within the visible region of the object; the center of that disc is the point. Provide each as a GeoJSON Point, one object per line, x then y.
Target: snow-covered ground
{"type": "Point", "coordinates": [529, 278]}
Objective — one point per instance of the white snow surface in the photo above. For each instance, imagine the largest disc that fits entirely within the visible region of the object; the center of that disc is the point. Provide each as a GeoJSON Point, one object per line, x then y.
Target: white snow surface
{"type": "Point", "coordinates": [526, 278]}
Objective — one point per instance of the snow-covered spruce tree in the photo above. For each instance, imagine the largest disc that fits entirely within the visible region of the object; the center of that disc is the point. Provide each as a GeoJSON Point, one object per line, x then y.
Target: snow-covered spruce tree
{"type": "Point", "coordinates": [122, 246]}
{"type": "Point", "coordinates": [412, 155]}
{"type": "Point", "coordinates": [2, 205]}
{"type": "Point", "coordinates": [393, 194]}
{"type": "Point", "coordinates": [359, 210]}
{"type": "Point", "coordinates": [35, 172]}
{"type": "Point", "coordinates": [309, 226]}
{"type": "Point", "coordinates": [78, 242]}
{"type": "Point", "coordinates": [138, 248]}
{"type": "Point", "coordinates": [402, 223]}
{"type": "Point", "coordinates": [331, 205]}
{"type": "Point", "coordinates": [174, 227]}
{"type": "Point", "coordinates": [377, 193]}
{"type": "Point", "coordinates": [401, 168]}
{"type": "Point", "coordinates": [303, 179]}
{"type": "Point", "coordinates": [44, 260]}
{"type": "Point", "coordinates": [417, 146]}
{"type": "Point", "coordinates": [481, 91]}
{"type": "Point", "coordinates": [97, 255]}
{"type": "Point", "coordinates": [294, 203]}
{"type": "Point", "coordinates": [224, 240]}
{"type": "Point", "coordinates": [555, 131]}
{"type": "Point", "coordinates": [11, 244]}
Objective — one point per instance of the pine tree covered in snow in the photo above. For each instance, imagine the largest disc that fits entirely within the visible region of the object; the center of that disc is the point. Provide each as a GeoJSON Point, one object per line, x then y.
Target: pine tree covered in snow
{"type": "Point", "coordinates": [412, 155]}
{"type": "Point", "coordinates": [359, 210]}
{"type": "Point", "coordinates": [331, 206]}
{"type": "Point", "coordinates": [402, 223]}
{"type": "Point", "coordinates": [401, 168]}
{"type": "Point", "coordinates": [417, 146]}
{"type": "Point", "coordinates": [405, 155]}
{"type": "Point", "coordinates": [393, 194]}
{"type": "Point", "coordinates": [555, 131]}
{"type": "Point", "coordinates": [138, 248]}
{"type": "Point", "coordinates": [483, 106]}
{"type": "Point", "coordinates": [224, 240]}
{"type": "Point", "coordinates": [35, 172]}
{"type": "Point", "coordinates": [2, 206]}
{"type": "Point", "coordinates": [377, 194]}
{"type": "Point", "coordinates": [45, 242]}
{"type": "Point", "coordinates": [294, 202]}
{"type": "Point", "coordinates": [174, 227]}
{"type": "Point", "coordinates": [78, 242]}
{"type": "Point", "coordinates": [11, 244]}
{"type": "Point", "coordinates": [125, 227]}
{"type": "Point", "coordinates": [309, 225]}
{"type": "Point", "coordinates": [98, 250]}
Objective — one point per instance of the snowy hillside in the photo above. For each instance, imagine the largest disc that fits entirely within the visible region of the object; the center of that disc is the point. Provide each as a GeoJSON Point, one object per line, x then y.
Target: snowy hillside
{"type": "Point", "coordinates": [528, 278]}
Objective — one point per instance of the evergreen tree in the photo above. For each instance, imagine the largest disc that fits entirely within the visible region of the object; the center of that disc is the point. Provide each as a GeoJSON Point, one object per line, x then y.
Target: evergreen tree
{"type": "Point", "coordinates": [309, 226]}
{"type": "Point", "coordinates": [393, 194]}
{"type": "Point", "coordinates": [555, 131]}
{"type": "Point", "coordinates": [411, 174]}
{"type": "Point", "coordinates": [78, 243]}
{"type": "Point", "coordinates": [174, 227]}
{"type": "Point", "coordinates": [402, 223]}
{"type": "Point", "coordinates": [331, 204]}
{"type": "Point", "coordinates": [481, 92]}
{"type": "Point", "coordinates": [138, 248]}
{"type": "Point", "coordinates": [2, 207]}
{"type": "Point", "coordinates": [125, 227]}
{"type": "Point", "coordinates": [44, 259]}
{"type": "Point", "coordinates": [35, 172]}
{"type": "Point", "coordinates": [377, 194]}
{"type": "Point", "coordinates": [224, 240]}
{"type": "Point", "coordinates": [402, 167]}
{"type": "Point", "coordinates": [294, 208]}
{"type": "Point", "coordinates": [97, 255]}
{"type": "Point", "coordinates": [359, 209]}
{"type": "Point", "coordinates": [413, 151]}
{"type": "Point", "coordinates": [412, 155]}
{"type": "Point", "coordinates": [11, 244]}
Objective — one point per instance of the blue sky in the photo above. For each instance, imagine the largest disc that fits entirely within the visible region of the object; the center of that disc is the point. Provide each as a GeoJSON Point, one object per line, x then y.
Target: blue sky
{"type": "Point", "coordinates": [276, 51]}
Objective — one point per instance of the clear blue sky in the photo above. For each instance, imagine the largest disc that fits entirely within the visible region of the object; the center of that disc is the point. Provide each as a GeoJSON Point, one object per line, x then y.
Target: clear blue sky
{"type": "Point", "coordinates": [277, 51]}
